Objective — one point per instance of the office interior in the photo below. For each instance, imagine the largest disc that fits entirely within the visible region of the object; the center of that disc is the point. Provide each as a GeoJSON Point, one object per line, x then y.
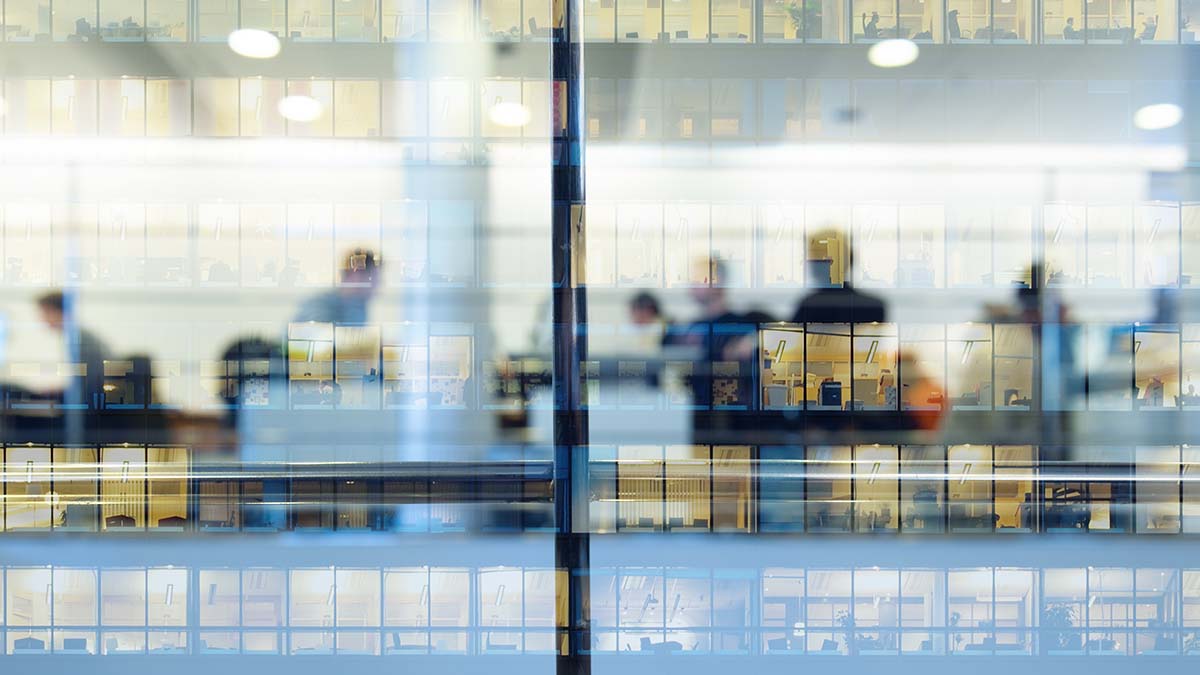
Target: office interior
{"type": "Point", "coordinates": [755, 611]}
{"type": "Point", "coordinates": [719, 21]}
{"type": "Point", "coordinates": [297, 501]}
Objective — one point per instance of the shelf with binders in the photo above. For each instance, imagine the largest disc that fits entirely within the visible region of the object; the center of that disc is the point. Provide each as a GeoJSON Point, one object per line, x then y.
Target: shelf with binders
{"type": "Point", "coordinates": [117, 488]}
{"type": "Point", "coordinates": [427, 366]}
{"type": "Point", "coordinates": [682, 488]}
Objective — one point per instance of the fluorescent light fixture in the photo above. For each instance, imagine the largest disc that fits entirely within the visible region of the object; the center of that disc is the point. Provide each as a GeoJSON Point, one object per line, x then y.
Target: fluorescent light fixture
{"type": "Point", "coordinates": [509, 114]}
{"type": "Point", "coordinates": [424, 601]}
{"type": "Point", "coordinates": [300, 108]}
{"type": "Point", "coordinates": [967, 349]}
{"type": "Point", "coordinates": [893, 53]}
{"type": "Point", "coordinates": [1157, 116]}
{"type": "Point", "coordinates": [1058, 229]}
{"type": "Point", "coordinates": [253, 43]}
{"type": "Point", "coordinates": [872, 350]}
{"type": "Point", "coordinates": [329, 597]}
{"type": "Point", "coordinates": [29, 471]}
{"type": "Point", "coordinates": [966, 470]}
{"type": "Point", "coordinates": [499, 595]}
{"type": "Point", "coordinates": [874, 474]}
{"type": "Point", "coordinates": [125, 471]}
{"type": "Point", "coordinates": [779, 351]}
{"type": "Point", "coordinates": [170, 595]}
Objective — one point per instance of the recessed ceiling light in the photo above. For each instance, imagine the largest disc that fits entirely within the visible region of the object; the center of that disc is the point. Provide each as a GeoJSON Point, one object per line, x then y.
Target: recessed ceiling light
{"type": "Point", "coordinates": [1157, 116]}
{"type": "Point", "coordinates": [253, 43]}
{"type": "Point", "coordinates": [509, 114]}
{"type": "Point", "coordinates": [300, 108]}
{"type": "Point", "coordinates": [893, 53]}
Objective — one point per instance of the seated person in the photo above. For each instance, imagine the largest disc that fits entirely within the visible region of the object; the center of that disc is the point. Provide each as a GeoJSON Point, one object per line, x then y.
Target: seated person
{"type": "Point", "coordinates": [1069, 30]}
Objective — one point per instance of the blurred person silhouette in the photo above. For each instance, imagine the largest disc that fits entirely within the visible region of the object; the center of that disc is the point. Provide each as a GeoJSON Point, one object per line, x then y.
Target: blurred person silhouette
{"type": "Point", "coordinates": [260, 384]}
{"type": "Point", "coordinates": [870, 29]}
{"type": "Point", "coordinates": [330, 392]}
{"type": "Point", "coordinates": [1149, 28]}
{"type": "Point", "coordinates": [83, 347]}
{"type": "Point", "coordinates": [724, 342]}
{"type": "Point", "coordinates": [1069, 30]}
{"type": "Point", "coordinates": [1057, 342]}
{"type": "Point", "coordinates": [837, 304]}
{"type": "Point", "coordinates": [347, 303]}
{"type": "Point", "coordinates": [955, 31]}
{"type": "Point", "coordinates": [647, 322]}
{"type": "Point", "coordinates": [922, 395]}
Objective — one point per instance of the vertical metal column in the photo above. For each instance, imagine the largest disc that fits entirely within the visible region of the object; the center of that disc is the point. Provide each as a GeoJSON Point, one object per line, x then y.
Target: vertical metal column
{"type": "Point", "coordinates": [570, 338]}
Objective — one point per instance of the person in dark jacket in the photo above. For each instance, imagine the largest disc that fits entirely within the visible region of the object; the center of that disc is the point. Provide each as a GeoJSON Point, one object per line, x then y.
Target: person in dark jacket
{"type": "Point", "coordinates": [838, 304]}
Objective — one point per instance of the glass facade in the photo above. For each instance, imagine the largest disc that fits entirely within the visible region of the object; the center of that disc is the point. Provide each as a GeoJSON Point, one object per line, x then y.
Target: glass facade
{"type": "Point", "coordinates": [513, 336]}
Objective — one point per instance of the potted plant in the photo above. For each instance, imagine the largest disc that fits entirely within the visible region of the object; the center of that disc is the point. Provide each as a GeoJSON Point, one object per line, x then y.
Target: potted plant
{"type": "Point", "coordinates": [805, 16]}
{"type": "Point", "coordinates": [846, 621]}
{"type": "Point", "coordinates": [1058, 618]}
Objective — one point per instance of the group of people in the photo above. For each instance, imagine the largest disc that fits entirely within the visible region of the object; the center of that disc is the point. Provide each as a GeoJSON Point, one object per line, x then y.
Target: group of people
{"type": "Point", "coordinates": [720, 334]}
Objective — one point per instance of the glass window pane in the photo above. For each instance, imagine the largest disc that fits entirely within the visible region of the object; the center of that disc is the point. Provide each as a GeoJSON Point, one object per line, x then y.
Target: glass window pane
{"type": "Point", "coordinates": [829, 488]}
{"type": "Point", "coordinates": [220, 597]}
{"type": "Point", "coordinates": [876, 488]}
{"type": "Point", "coordinates": [922, 499]}
{"type": "Point", "coordinates": [123, 597]}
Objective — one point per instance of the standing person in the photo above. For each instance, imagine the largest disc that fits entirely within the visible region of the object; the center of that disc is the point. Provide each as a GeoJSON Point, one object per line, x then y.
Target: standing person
{"type": "Point", "coordinates": [83, 347]}
{"type": "Point", "coordinates": [724, 345]}
{"type": "Point", "coordinates": [347, 303]}
{"type": "Point", "coordinates": [839, 304]}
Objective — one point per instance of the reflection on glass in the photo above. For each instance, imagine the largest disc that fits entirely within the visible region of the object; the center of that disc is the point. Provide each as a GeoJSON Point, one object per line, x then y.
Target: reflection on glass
{"type": "Point", "coordinates": [29, 500]}
{"type": "Point", "coordinates": [922, 492]}
{"type": "Point", "coordinates": [969, 477]}
{"type": "Point", "coordinates": [1156, 354]}
{"type": "Point", "coordinates": [1157, 489]}
{"type": "Point", "coordinates": [827, 368]}
{"type": "Point", "coordinates": [876, 488]}
{"type": "Point", "coordinates": [829, 488]}
{"type": "Point", "coordinates": [76, 491]}
{"type": "Point", "coordinates": [1015, 488]}
{"type": "Point", "coordinates": [782, 376]}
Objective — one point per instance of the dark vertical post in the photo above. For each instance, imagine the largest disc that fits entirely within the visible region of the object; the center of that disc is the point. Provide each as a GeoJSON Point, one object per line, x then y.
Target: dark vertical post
{"type": "Point", "coordinates": [570, 337]}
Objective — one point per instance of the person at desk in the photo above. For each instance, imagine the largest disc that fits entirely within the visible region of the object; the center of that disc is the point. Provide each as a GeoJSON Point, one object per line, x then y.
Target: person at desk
{"type": "Point", "coordinates": [838, 305]}
{"type": "Point", "coordinates": [870, 30]}
{"type": "Point", "coordinates": [735, 341]}
{"type": "Point", "coordinates": [83, 347]}
{"type": "Point", "coordinates": [347, 303]}
{"type": "Point", "coordinates": [1149, 28]}
{"type": "Point", "coordinates": [1069, 30]}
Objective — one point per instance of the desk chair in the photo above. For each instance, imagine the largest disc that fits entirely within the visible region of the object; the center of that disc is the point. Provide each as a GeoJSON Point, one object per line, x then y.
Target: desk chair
{"type": "Point", "coordinates": [535, 31]}
{"type": "Point", "coordinates": [119, 521]}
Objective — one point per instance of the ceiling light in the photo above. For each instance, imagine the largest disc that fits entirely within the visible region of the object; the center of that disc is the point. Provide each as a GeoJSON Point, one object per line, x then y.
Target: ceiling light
{"type": "Point", "coordinates": [1157, 116]}
{"type": "Point", "coordinates": [300, 108]}
{"type": "Point", "coordinates": [893, 53]}
{"type": "Point", "coordinates": [253, 43]}
{"type": "Point", "coordinates": [509, 114]}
